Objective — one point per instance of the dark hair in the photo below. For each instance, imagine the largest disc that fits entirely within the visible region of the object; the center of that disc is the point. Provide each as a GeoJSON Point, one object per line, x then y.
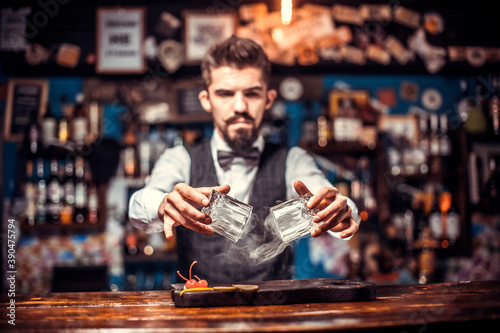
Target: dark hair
{"type": "Point", "coordinates": [237, 52]}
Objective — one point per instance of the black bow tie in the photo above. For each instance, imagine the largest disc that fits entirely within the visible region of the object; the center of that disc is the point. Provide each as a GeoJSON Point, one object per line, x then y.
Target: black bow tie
{"type": "Point", "coordinates": [225, 158]}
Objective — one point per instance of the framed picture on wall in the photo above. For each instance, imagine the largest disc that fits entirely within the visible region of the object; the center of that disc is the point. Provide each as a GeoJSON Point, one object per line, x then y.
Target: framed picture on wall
{"type": "Point", "coordinates": [120, 33]}
{"type": "Point", "coordinates": [24, 97]}
{"type": "Point", "coordinates": [351, 104]}
{"type": "Point", "coordinates": [186, 106]}
{"type": "Point", "coordinates": [202, 30]}
{"type": "Point", "coordinates": [400, 125]}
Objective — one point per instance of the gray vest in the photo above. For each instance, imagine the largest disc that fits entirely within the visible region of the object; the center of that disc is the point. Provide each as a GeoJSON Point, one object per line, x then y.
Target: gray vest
{"type": "Point", "coordinates": [219, 259]}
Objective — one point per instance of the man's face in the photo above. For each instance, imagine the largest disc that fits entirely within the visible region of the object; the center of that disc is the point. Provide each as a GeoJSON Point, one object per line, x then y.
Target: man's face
{"type": "Point", "coordinates": [237, 99]}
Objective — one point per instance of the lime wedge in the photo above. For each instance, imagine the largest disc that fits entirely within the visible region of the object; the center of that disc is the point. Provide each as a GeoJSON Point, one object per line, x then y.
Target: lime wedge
{"type": "Point", "coordinates": [246, 287]}
{"type": "Point", "coordinates": [225, 288]}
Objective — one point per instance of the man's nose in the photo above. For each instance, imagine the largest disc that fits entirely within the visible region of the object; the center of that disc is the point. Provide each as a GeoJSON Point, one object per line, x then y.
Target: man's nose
{"type": "Point", "coordinates": [240, 103]}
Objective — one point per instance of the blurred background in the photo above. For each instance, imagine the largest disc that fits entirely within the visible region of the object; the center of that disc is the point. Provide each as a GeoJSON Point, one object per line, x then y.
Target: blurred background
{"type": "Point", "coordinates": [397, 101]}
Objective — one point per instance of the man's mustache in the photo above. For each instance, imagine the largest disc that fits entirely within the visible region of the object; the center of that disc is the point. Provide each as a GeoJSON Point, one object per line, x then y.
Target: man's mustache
{"type": "Point", "coordinates": [238, 117]}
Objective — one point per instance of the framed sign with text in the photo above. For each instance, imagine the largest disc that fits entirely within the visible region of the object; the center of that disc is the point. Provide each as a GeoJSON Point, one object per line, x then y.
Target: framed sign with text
{"type": "Point", "coordinates": [120, 34]}
{"type": "Point", "coordinates": [185, 103]}
{"type": "Point", "coordinates": [24, 96]}
{"type": "Point", "coordinates": [202, 30]}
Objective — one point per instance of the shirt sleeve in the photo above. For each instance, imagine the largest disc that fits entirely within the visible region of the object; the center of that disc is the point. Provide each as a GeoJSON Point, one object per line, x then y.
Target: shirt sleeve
{"type": "Point", "coordinates": [300, 165]}
{"type": "Point", "coordinates": [172, 167]}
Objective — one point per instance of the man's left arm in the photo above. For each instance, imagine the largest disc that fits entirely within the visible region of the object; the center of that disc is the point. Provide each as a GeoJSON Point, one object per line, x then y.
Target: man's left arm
{"type": "Point", "coordinates": [339, 213]}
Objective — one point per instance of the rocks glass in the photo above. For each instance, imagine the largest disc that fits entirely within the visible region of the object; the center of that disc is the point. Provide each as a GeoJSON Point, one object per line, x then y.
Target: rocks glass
{"type": "Point", "coordinates": [229, 216]}
{"type": "Point", "coordinates": [293, 219]}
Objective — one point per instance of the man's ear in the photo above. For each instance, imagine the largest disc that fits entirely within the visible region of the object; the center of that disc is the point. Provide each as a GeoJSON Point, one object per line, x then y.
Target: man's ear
{"type": "Point", "coordinates": [205, 101]}
{"type": "Point", "coordinates": [271, 96]}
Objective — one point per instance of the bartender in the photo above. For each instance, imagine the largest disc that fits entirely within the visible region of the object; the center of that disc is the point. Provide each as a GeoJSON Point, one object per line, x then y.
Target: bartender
{"type": "Point", "coordinates": [236, 161]}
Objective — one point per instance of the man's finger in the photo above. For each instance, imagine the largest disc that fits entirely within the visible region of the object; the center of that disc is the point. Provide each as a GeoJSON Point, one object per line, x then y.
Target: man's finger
{"type": "Point", "coordinates": [351, 230]}
{"type": "Point", "coordinates": [300, 188]}
{"type": "Point", "coordinates": [191, 194]}
{"type": "Point", "coordinates": [188, 222]}
{"type": "Point", "coordinates": [168, 227]}
{"type": "Point", "coordinates": [186, 208]}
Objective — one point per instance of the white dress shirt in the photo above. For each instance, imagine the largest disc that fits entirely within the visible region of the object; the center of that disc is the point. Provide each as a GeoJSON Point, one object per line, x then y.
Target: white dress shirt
{"type": "Point", "coordinates": [174, 166]}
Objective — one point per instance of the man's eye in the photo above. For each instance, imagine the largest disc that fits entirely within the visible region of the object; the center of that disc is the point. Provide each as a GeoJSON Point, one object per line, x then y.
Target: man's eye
{"type": "Point", "coordinates": [252, 94]}
{"type": "Point", "coordinates": [225, 94]}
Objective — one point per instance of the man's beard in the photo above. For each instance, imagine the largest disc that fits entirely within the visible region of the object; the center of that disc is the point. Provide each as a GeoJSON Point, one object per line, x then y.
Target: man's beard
{"type": "Point", "coordinates": [244, 138]}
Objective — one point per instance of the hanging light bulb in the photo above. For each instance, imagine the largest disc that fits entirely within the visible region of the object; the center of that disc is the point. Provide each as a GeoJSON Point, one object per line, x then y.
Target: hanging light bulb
{"type": "Point", "coordinates": [286, 11]}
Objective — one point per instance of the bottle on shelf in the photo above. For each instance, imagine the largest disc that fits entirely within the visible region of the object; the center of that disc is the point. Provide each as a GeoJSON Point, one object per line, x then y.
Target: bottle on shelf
{"type": "Point", "coordinates": [423, 150]}
{"type": "Point", "coordinates": [324, 125]}
{"type": "Point", "coordinates": [55, 192]}
{"type": "Point", "coordinates": [80, 191]}
{"type": "Point", "coordinates": [68, 210]}
{"type": "Point", "coordinates": [29, 195]}
{"type": "Point", "coordinates": [49, 127]}
{"type": "Point", "coordinates": [348, 124]}
{"type": "Point", "coordinates": [494, 106]}
{"type": "Point", "coordinates": [144, 151]}
{"type": "Point", "coordinates": [435, 218]}
{"type": "Point", "coordinates": [41, 193]}
{"type": "Point", "coordinates": [129, 154]}
{"type": "Point", "coordinates": [79, 123]}
{"type": "Point", "coordinates": [94, 116]}
{"type": "Point", "coordinates": [310, 125]}
{"type": "Point", "coordinates": [63, 132]}
{"type": "Point", "coordinates": [33, 137]}
{"type": "Point", "coordinates": [93, 204]}
{"type": "Point", "coordinates": [491, 198]}
{"type": "Point", "coordinates": [445, 148]}
{"type": "Point", "coordinates": [435, 157]}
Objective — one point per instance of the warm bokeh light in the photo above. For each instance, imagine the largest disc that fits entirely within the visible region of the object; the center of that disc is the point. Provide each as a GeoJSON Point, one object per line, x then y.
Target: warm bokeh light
{"type": "Point", "coordinates": [286, 11]}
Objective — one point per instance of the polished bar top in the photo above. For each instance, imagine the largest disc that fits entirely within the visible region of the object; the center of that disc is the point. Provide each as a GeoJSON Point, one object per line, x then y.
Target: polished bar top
{"type": "Point", "coordinates": [398, 308]}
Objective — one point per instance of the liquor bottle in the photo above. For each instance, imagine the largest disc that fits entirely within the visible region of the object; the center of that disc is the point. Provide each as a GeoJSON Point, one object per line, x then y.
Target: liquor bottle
{"type": "Point", "coordinates": [490, 197]}
{"type": "Point", "coordinates": [422, 152]}
{"type": "Point", "coordinates": [93, 204]}
{"type": "Point", "coordinates": [444, 207]}
{"type": "Point", "coordinates": [144, 151]}
{"type": "Point", "coordinates": [453, 224]}
{"type": "Point", "coordinates": [55, 193]}
{"type": "Point", "coordinates": [41, 193]}
{"type": "Point", "coordinates": [129, 153]}
{"type": "Point", "coordinates": [33, 137]}
{"type": "Point", "coordinates": [444, 140]}
{"type": "Point", "coordinates": [80, 191]}
{"type": "Point", "coordinates": [435, 157]}
{"type": "Point", "coordinates": [434, 139]}
{"type": "Point", "coordinates": [435, 222]}
{"type": "Point", "coordinates": [494, 106]}
{"type": "Point", "coordinates": [68, 210]}
{"type": "Point", "coordinates": [49, 126]}
{"type": "Point", "coordinates": [29, 195]}
{"type": "Point", "coordinates": [310, 125]}
{"type": "Point", "coordinates": [94, 115]}
{"type": "Point", "coordinates": [325, 128]}
{"type": "Point", "coordinates": [63, 132]}
{"type": "Point", "coordinates": [79, 128]}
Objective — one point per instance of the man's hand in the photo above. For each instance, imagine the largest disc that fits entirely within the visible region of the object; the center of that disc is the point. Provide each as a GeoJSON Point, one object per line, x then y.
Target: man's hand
{"type": "Point", "coordinates": [333, 210]}
{"type": "Point", "coordinates": [180, 207]}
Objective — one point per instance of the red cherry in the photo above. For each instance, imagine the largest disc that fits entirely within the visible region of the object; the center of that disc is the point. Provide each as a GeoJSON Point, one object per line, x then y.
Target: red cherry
{"type": "Point", "coordinates": [191, 284]}
{"type": "Point", "coordinates": [203, 284]}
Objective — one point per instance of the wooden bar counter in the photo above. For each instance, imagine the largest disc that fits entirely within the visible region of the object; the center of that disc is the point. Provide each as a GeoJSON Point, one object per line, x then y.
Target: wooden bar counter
{"type": "Point", "coordinates": [398, 308]}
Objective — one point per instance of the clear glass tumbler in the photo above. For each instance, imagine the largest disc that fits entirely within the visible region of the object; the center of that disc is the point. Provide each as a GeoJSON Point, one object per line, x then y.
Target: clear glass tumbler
{"type": "Point", "coordinates": [293, 219]}
{"type": "Point", "coordinates": [229, 216]}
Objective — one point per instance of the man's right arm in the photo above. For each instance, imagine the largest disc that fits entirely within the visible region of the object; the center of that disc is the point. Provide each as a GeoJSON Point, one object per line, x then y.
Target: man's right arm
{"type": "Point", "coordinates": [171, 168]}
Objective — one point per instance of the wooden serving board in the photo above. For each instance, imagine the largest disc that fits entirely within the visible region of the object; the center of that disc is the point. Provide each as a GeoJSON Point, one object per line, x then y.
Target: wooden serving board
{"type": "Point", "coordinates": [278, 292]}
